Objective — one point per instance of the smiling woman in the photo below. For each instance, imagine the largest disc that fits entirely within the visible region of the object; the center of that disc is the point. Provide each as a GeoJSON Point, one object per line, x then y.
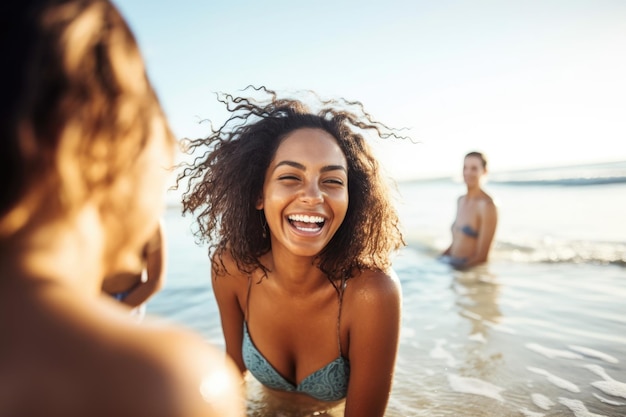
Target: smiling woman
{"type": "Point", "coordinates": [301, 229]}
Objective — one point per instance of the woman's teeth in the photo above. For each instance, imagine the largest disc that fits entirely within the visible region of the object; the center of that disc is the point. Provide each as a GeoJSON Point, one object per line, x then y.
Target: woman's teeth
{"type": "Point", "coordinates": [306, 223]}
{"type": "Point", "coordinates": [306, 219]}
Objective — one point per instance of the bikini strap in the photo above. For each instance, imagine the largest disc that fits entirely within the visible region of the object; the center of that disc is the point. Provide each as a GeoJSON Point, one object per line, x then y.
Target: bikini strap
{"type": "Point", "coordinates": [344, 282]}
{"type": "Point", "coordinates": [245, 313]}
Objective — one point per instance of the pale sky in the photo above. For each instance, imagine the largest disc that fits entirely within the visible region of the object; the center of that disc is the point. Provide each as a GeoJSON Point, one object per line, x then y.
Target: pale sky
{"type": "Point", "coordinates": [530, 83]}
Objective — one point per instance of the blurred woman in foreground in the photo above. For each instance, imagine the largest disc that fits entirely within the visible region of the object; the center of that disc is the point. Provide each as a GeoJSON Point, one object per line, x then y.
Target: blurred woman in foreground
{"type": "Point", "coordinates": [84, 152]}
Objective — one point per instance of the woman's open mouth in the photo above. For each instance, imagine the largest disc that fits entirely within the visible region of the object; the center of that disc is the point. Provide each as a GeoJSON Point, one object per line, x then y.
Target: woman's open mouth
{"type": "Point", "coordinates": [306, 223]}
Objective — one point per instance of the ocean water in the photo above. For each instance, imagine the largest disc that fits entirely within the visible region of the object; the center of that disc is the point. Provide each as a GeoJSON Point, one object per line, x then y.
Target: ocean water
{"type": "Point", "coordinates": [538, 331]}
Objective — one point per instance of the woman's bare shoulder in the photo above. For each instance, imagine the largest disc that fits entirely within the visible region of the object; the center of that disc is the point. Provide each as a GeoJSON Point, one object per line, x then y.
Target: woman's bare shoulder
{"type": "Point", "coordinates": [486, 201]}
{"type": "Point", "coordinates": [371, 286]}
{"type": "Point", "coordinates": [372, 306]}
{"type": "Point", "coordinates": [180, 370]}
{"type": "Point", "coordinates": [163, 367]}
{"type": "Point", "coordinates": [112, 365]}
{"type": "Point", "coordinates": [226, 272]}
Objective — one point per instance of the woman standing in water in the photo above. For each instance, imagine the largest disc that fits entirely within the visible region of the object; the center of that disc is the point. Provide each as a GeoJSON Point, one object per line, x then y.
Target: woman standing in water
{"type": "Point", "coordinates": [84, 156]}
{"type": "Point", "coordinates": [476, 218]}
{"type": "Point", "coordinates": [302, 229]}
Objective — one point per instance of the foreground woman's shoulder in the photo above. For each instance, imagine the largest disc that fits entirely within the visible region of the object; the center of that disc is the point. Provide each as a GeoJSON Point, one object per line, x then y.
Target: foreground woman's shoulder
{"type": "Point", "coordinates": [92, 359]}
{"type": "Point", "coordinates": [176, 370]}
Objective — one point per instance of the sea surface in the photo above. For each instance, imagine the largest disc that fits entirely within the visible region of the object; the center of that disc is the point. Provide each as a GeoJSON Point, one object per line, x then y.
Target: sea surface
{"type": "Point", "coordinates": [538, 331]}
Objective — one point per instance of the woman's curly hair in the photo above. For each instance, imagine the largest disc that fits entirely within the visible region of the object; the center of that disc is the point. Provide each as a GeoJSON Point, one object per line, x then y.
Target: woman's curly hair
{"type": "Point", "coordinates": [224, 184]}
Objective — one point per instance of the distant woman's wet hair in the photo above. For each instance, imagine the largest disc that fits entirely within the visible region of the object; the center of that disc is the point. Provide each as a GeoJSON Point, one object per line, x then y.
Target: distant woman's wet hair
{"type": "Point", "coordinates": [479, 155]}
{"type": "Point", "coordinates": [226, 181]}
{"type": "Point", "coordinates": [76, 107]}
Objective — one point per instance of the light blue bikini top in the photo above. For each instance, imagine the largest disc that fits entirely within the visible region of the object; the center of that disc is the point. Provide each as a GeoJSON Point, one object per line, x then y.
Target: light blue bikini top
{"type": "Point", "coordinates": [329, 383]}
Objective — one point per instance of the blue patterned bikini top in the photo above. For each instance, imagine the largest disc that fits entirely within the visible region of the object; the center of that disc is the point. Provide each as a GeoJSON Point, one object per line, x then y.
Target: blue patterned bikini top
{"type": "Point", "coordinates": [329, 383]}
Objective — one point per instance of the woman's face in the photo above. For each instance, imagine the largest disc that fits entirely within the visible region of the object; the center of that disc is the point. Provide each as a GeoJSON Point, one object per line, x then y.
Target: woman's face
{"type": "Point", "coordinates": [473, 171]}
{"type": "Point", "coordinates": [305, 193]}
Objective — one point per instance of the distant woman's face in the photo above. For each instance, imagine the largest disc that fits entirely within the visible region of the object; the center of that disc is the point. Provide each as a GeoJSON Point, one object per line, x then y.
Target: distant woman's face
{"type": "Point", "coordinates": [305, 193]}
{"type": "Point", "coordinates": [473, 170]}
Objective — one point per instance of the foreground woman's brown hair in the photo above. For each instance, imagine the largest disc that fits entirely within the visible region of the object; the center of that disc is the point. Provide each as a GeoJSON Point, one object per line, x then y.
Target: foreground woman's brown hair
{"type": "Point", "coordinates": [84, 157]}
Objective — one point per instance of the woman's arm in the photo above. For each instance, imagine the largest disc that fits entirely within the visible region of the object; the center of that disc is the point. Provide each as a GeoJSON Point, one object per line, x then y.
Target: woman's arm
{"type": "Point", "coordinates": [374, 320]}
{"type": "Point", "coordinates": [228, 290]}
{"type": "Point", "coordinates": [488, 222]}
{"type": "Point", "coordinates": [458, 205]}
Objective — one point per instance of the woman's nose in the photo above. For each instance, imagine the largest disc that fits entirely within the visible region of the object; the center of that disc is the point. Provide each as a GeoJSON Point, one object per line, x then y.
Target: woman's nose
{"type": "Point", "coordinates": [312, 194]}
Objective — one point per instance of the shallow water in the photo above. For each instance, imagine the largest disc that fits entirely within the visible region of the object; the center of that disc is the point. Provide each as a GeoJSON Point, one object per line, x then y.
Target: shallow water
{"type": "Point", "coordinates": [510, 340]}
{"type": "Point", "coordinates": [539, 331]}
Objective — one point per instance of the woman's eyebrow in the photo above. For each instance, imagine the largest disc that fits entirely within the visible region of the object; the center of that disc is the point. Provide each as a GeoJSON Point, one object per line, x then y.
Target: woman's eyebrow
{"type": "Point", "coordinates": [334, 168]}
{"type": "Point", "coordinates": [299, 166]}
{"type": "Point", "coordinates": [296, 165]}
